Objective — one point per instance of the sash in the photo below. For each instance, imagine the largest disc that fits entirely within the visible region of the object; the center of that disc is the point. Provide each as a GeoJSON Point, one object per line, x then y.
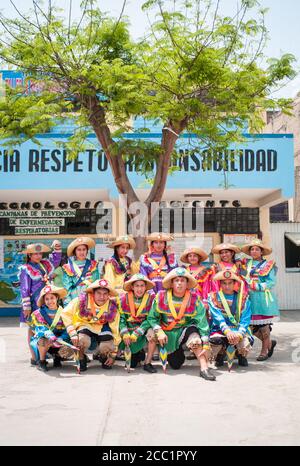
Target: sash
{"type": "Point", "coordinates": [52, 323]}
{"type": "Point", "coordinates": [255, 269]}
{"type": "Point", "coordinates": [39, 266]}
{"type": "Point", "coordinates": [157, 272]}
{"type": "Point", "coordinates": [195, 272]}
{"type": "Point", "coordinates": [230, 316]}
{"type": "Point", "coordinates": [176, 317]}
{"type": "Point", "coordinates": [233, 268]}
{"type": "Point", "coordinates": [96, 317]}
{"type": "Point", "coordinates": [135, 313]}
{"type": "Point", "coordinates": [74, 267]}
{"type": "Point", "coordinates": [45, 280]}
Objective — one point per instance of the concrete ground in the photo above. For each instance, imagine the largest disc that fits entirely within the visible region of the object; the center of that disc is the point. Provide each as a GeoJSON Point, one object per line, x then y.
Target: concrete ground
{"type": "Point", "coordinates": [259, 405]}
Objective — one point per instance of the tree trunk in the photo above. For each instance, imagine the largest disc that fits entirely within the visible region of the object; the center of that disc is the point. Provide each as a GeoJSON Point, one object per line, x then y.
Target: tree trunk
{"type": "Point", "coordinates": [118, 168]}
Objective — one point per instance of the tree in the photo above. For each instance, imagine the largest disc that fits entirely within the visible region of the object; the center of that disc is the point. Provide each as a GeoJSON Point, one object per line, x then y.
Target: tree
{"type": "Point", "coordinates": [196, 70]}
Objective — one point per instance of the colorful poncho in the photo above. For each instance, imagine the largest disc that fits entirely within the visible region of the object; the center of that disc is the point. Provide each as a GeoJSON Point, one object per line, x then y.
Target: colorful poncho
{"type": "Point", "coordinates": [154, 266]}
{"type": "Point", "coordinates": [33, 278]}
{"type": "Point", "coordinates": [77, 275]}
{"type": "Point", "coordinates": [117, 274]}
{"type": "Point", "coordinates": [134, 321]}
{"type": "Point", "coordinates": [235, 318]}
{"type": "Point", "coordinates": [203, 277]}
{"type": "Point", "coordinates": [48, 324]}
{"type": "Point", "coordinates": [80, 314]}
{"type": "Point", "coordinates": [161, 317]}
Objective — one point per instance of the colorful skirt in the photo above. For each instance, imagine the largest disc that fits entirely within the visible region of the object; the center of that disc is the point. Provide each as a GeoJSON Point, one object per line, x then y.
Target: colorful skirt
{"type": "Point", "coordinates": [264, 307]}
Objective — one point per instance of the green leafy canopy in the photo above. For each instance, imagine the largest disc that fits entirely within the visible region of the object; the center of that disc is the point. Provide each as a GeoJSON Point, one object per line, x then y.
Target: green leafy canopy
{"type": "Point", "coordinates": [195, 70]}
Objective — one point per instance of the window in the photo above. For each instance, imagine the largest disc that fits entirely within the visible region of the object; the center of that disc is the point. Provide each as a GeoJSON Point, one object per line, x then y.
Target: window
{"type": "Point", "coordinates": [279, 212]}
{"type": "Point", "coordinates": [221, 220]}
{"type": "Point", "coordinates": [292, 250]}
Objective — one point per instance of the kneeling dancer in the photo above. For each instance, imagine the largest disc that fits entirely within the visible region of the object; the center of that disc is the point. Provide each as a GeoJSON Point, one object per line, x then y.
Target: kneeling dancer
{"type": "Point", "coordinates": [49, 332]}
{"type": "Point", "coordinates": [135, 330]}
{"type": "Point", "coordinates": [231, 314]}
{"type": "Point", "coordinates": [92, 321]}
{"type": "Point", "coordinates": [178, 318]}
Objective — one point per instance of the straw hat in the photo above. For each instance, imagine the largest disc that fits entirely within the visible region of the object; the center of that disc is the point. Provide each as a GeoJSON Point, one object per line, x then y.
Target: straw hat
{"type": "Point", "coordinates": [127, 239]}
{"type": "Point", "coordinates": [36, 248]}
{"type": "Point", "coordinates": [101, 284]}
{"type": "Point", "coordinates": [83, 240]}
{"type": "Point", "coordinates": [226, 275]}
{"type": "Point", "coordinates": [160, 237]}
{"type": "Point", "coordinates": [60, 292]}
{"type": "Point", "coordinates": [220, 247]}
{"type": "Point", "coordinates": [202, 254]}
{"type": "Point", "coordinates": [266, 250]}
{"type": "Point", "coordinates": [179, 272]}
{"type": "Point", "coordinates": [135, 278]}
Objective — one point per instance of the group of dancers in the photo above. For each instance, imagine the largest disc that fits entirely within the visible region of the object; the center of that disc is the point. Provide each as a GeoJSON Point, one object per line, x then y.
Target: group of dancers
{"type": "Point", "coordinates": [149, 309]}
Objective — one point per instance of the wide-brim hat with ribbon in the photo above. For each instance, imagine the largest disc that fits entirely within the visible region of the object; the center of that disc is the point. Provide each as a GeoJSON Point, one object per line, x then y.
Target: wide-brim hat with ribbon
{"type": "Point", "coordinates": [36, 248]}
{"type": "Point", "coordinates": [160, 237]}
{"type": "Point", "coordinates": [179, 272]}
{"type": "Point", "coordinates": [220, 247]}
{"type": "Point", "coordinates": [101, 284]}
{"type": "Point", "coordinates": [83, 240]}
{"type": "Point", "coordinates": [226, 275]}
{"type": "Point", "coordinates": [138, 277]}
{"type": "Point", "coordinates": [60, 292]}
{"type": "Point", "coordinates": [202, 254]}
{"type": "Point", "coordinates": [127, 239]}
{"type": "Point", "coordinates": [266, 250]}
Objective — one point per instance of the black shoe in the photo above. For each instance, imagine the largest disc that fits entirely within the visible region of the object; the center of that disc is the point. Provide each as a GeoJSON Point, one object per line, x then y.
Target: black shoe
{"type": "Point", "coordinates": [33, 362]}
{"type": "Point", "coordinates": [57, 361]}
{"type": "Point", "coordinates": [83, 365]}
{"type": "Point", "coordinates": [270, 352]}
{"type": "Point", "coordinates": [87, 359]}
{"type": "Point", "coordinates": [104, 366]}
{"type": "Point", "coordinates": [149, 368]}
{"type": "Point", "coordinates": [206, 375]}
{"type": "Point", "coordinates": [96, 357]}
{"type": "Point", "coordinates": [219, 362]}
{"type": "Point", "coordinates": [42, 366]}
{"type": "Point", "coordinates": [137, 358]}
{"type": "Point", "coordinates": [242, 361]}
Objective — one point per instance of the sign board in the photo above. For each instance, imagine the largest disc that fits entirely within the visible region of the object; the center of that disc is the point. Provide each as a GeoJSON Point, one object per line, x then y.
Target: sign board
{"type": "Point", "coordinates": [264, 161]}
{"type": "Point", "coordinates": [239, 240]}
{"type": "Point", "coordinates": [36, 231]}
{"type": "Point", "coordinates": [36, 213]}
{"type": "Point", "coordinates": [36, 222]}
{"type": "Point", "coordinates": [11, 258]}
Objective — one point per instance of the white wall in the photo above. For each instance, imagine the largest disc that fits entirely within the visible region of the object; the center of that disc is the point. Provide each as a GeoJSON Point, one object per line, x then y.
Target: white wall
{"type": "Point", "coordinates": [288, 284]}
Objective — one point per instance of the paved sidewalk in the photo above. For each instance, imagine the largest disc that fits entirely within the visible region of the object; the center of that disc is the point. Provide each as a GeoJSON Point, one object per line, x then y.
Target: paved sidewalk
{"type": "Point", "coordinates": [259, 405]}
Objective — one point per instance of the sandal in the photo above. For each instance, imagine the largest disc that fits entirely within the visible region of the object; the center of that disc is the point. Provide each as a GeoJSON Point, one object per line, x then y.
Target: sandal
{"type": "Point", "coordinates": [262, 357]}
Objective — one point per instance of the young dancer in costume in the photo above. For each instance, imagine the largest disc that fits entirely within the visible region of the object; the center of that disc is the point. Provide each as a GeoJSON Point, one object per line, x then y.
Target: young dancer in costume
{"type": "Point", "coordinates": [135, 330]}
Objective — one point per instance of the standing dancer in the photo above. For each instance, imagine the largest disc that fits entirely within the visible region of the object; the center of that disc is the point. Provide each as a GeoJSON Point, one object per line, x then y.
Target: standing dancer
{"type": "Point", "coordinates": [260, 274]}
{"type": "Point", "coordinates": [158, 262]}
{"type": "Point", "coordinates": [79, 271]}
{"type": "Point", "coordinates": [120, 267]}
